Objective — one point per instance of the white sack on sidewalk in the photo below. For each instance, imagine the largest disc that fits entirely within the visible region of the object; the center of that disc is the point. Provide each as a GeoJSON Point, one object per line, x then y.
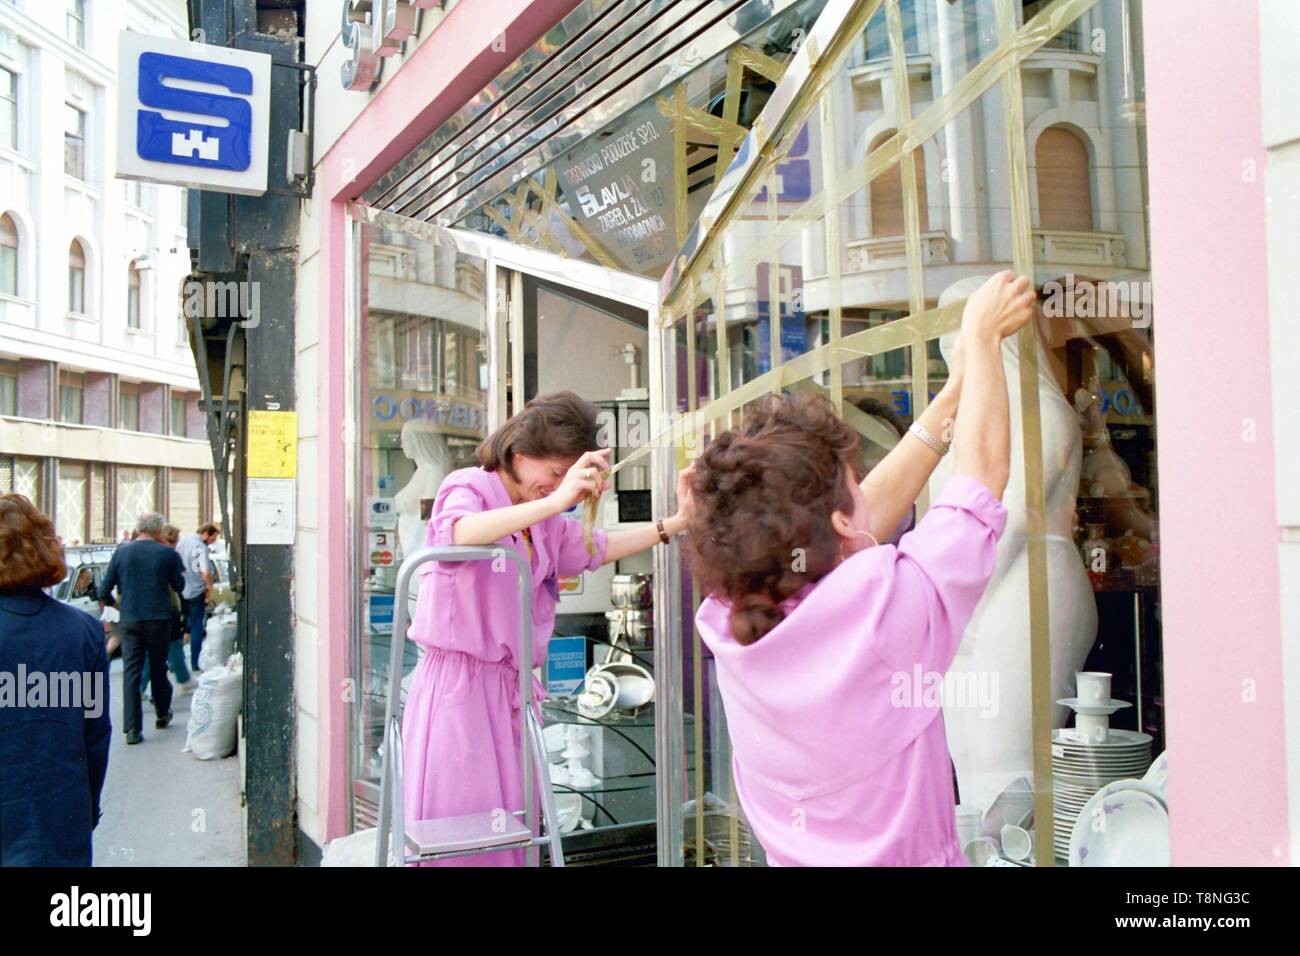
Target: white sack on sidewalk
{"type": "Point", "coordinates": [212, 731]}
{"type": "Point", "coordinates": [218, 642]}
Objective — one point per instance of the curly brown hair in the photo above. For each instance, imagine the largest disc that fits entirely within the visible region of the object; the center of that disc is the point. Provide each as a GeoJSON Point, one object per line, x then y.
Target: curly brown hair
{"type": "Point", "coordinates": [30, 553]}
{"type": "Point", "coordinates": [761, 494]}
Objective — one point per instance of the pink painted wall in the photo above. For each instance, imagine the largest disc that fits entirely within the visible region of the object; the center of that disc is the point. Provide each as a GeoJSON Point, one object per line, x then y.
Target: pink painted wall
{"type": "Point", "coordinates": [1218, 535]}
{"type": "Point", "coordinates": [449, 67]}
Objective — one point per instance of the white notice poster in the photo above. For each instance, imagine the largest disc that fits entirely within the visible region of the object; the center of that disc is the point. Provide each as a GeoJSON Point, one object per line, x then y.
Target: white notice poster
{"type": "Point", "coordinates": [271, 510]}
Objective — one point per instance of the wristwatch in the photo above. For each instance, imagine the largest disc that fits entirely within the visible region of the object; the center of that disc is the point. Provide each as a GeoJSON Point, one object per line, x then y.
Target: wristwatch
{"type": "Point", "coordinates": [663, 534]}
{"type": "Point", "coordinates": [921, 432]}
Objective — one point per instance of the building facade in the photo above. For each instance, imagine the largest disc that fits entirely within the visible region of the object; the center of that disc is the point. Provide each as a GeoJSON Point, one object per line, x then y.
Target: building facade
{"type": "Point", "coordinates": [804, 217]}
{"type": "Point", "coordinates": [99, 412]}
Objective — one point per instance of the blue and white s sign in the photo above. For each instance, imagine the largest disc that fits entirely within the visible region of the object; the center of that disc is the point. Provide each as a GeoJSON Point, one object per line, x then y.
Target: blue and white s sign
{"type": "Point", "coordinates": [193, 115]}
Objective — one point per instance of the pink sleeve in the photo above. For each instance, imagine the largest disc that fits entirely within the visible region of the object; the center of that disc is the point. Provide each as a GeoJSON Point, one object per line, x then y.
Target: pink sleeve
{"type": "Point", "coordinates": [572, 557]}
{"type": "Point", "coordinates": [456, 498]}
{"type": "Point", "coordinates": [940, 574]}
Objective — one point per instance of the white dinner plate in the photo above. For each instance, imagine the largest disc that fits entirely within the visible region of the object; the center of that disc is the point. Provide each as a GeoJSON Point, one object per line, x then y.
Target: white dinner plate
{"type": "Point", "coordinates": [1134, 828]}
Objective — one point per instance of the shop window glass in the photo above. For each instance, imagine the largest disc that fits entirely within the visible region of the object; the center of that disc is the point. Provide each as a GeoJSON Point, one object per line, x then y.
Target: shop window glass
{"type": "Point", "coordinates": [185, 499]}
{"type": "Point", "coordinates": [128, 407]}
{"type": "Point", "coordinates": [1064, 193]}
{"type": "Point", "coordinates": [877, 36]}
{"type": "Point", "coordinates": [21, 476]}
{"type": "Point", "coordinates": [8, 390]}
{"type": "Point", "coordinates": [75, 23]}
{"type": "Point", "coordinates": [99, 529]}
{"type": "Point", "coordinates": [179, 416]}
{"type": "Point", "coordinates": [1087, 594]}
{"type": "Point", "coordinates": [74, 141]}
{"type": "Point", "coordinates": [887, 195]}
{"type": "Point", "coordinates": [71, 398]}
{"type": "Point", "coordinates": [8, 256]}
{"type": "Point", "coordinates": [422, 416]}
{"type": "Point", "coordinates": [71, 503]}
{"type": "Point", "coordinates": [8, 109]}
{"type": "Point", "coordinates": [76, 278]}
{"type": "Point", "coordinates": [137, 493]}
{"type": "Point", "coordinates": [132, 297]}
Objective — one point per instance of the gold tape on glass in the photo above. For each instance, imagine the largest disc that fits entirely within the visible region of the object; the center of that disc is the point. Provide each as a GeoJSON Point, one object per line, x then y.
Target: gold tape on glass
{"type": "Point", "coordinates": [917, 358]}
{"type": "Point", "coordinates": [981, 78]}
{"type": "Point", "coordinates": [883, 338]}
{"type": "Point", "coordinates": [1040, 643]}
{"type": "Point", "coordinates": [834, 248]}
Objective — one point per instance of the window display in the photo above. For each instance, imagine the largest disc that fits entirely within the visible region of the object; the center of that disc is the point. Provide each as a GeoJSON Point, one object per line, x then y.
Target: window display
{"type": "Point", "coordinates": [987, 113]}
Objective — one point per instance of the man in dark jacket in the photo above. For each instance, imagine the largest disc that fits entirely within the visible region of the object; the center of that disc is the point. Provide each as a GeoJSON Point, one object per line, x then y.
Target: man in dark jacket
{"type": "Point", "coordinates": [54, 723]}
{"type": "Point", "coordinates": [144, 570]}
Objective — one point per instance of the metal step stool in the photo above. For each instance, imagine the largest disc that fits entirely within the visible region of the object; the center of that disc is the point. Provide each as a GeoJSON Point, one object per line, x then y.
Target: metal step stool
{"type": "Point", "coordinates": [492, 830]}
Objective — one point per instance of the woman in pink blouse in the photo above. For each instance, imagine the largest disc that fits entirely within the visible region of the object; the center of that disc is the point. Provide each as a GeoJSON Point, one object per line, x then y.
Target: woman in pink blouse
{"type": "Point", "coordinates": [460, 728]}
{"type": "Point", "coordinates": [828, 648]}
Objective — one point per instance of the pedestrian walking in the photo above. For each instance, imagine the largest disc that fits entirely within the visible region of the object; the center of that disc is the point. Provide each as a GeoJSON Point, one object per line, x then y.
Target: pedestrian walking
{"type": "Point", "coordinates": [52, 766]}
{"type": "Point", "coordinates": [197, 559]}
{"type": "Point", "coordinates": [145, 570]}
{"type": "Point", "coordinates": [176, 649]}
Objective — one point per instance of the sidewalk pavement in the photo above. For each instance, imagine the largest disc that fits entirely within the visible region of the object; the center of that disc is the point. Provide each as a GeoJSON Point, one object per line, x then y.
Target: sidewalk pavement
{"type": "Point", "coordinates": [162, 807]}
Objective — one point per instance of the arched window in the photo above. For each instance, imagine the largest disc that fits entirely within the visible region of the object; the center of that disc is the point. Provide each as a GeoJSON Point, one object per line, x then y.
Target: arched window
{"type": "Point", "coordinates": [76, 278]}
{"type": "Point", "coordinates": [132, 297]}
{"type": "Point", "coordinates": [887, 195]}
{"type": "Point", "coordinates": [8, 255]}
{"type": "Point", "coordinates": [1064, 187]}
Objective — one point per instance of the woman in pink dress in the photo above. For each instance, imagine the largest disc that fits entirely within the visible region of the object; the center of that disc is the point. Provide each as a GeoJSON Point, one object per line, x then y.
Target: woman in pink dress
{"type": "Point", "coordinates": [829, 649]}
{"type": "Point", "coordinates": [460, 728]}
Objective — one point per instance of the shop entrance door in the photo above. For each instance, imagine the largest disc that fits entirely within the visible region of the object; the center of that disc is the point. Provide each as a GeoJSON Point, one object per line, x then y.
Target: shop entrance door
{"type": "Point", "coordinates": [566, 336]}
{"type": "Point", "coordinates": [458, 330]}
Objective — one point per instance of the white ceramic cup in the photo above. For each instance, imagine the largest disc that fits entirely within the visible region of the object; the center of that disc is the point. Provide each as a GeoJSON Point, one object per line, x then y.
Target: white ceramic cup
{"type": "Point", "coordinates": [1093, 687]}
{"type": "Point", "coordinates": [1016, 842]}
{"type": "Point", "coordinates": [1094, 727]}
{"type": "Point", "coordinates": [980, 850]}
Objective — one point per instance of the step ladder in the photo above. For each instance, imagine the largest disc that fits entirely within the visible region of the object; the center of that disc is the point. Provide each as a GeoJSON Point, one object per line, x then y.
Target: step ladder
{"type": "Point", "coordinates": [418, 841]}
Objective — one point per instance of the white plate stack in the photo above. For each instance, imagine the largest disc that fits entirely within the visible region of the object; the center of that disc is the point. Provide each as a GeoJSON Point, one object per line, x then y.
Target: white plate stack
{"type": "Point", "coordinates": [1080, 768]}
{"type": "Point", "coordinates": [1090, 755]}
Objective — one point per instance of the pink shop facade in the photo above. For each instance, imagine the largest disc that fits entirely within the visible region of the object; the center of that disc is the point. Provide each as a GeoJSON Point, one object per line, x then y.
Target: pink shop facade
{"type": "Point", "coordinates": [659, 205]}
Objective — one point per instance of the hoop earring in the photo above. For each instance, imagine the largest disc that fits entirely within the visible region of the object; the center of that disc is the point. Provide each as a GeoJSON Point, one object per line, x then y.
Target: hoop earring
{"type": "Point", "coordinates": [868, 534]}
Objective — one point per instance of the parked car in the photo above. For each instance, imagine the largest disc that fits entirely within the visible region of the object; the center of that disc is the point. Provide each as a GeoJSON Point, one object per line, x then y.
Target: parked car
{"type": "Point", "coordinates": [86, 569]}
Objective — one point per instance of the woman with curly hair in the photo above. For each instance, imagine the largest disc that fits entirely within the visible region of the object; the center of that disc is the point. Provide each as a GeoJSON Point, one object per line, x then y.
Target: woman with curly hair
{"type": "Point", "coordinates": [54, 724]}
{"type": "Point", "coordinates": [815, 628]}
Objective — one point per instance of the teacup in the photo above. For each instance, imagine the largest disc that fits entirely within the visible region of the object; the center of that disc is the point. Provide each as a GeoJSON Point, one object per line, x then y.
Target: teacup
{"type": "Point", "coordinates": [1093, 687]}
{"type": "Point", "coordinates": [1095, 728]}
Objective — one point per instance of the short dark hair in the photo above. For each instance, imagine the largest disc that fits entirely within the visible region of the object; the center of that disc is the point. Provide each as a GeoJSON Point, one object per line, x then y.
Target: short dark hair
{"type": "Point", "coordinates": [558, 425]}
{"type": "Point", "coordinates": [30, 553]}
{"type": "Point", "coordinates": [209, 528]}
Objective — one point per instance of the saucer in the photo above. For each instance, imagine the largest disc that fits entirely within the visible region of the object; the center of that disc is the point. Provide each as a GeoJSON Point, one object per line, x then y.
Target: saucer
{"type": "Point", "coordinates": [1100, 709]}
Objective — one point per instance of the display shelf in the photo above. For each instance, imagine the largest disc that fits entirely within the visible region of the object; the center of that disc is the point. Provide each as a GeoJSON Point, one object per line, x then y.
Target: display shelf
{"type": "Point", "coordinates": [565, 713]}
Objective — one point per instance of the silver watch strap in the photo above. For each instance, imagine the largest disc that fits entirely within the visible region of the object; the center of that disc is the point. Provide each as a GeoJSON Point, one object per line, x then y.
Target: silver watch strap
{"type": "Point", "coordinates": [921, 432]}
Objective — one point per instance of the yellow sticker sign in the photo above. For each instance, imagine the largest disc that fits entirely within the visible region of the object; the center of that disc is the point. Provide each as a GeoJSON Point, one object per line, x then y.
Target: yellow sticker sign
{"type": "Point", "coordinates": [272, 444]}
